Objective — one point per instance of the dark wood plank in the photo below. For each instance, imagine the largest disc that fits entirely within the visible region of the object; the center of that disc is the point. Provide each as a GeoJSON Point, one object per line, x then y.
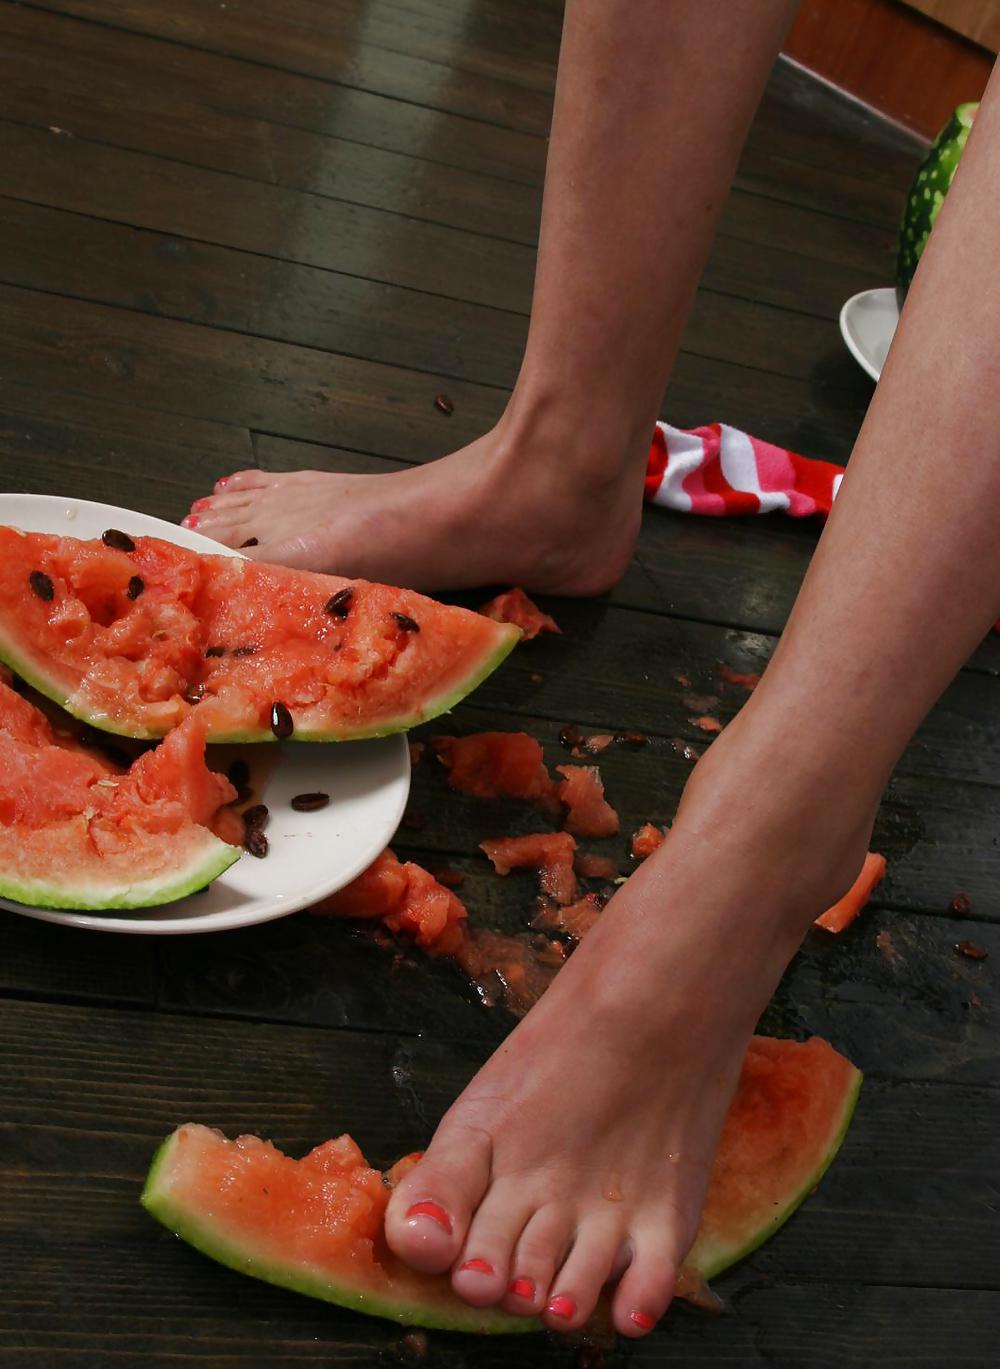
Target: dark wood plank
{"type": "Point", "coordinates": [109, 263]}
{"type": "Point", "coordinates": [58, 963]}
{"type": "Point", "coordinates": [315, 42]}
{"type": "Point", "coordinates": [299, 392]}
{"type": "Point", "coordinates": [237, 88]}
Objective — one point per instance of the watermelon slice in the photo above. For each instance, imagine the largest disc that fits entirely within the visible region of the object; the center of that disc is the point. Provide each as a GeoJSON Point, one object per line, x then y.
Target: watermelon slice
{"type": "Point", "coordinates": [133, 635]}
{"type": "Point", "coordinates": [77, 831]}
{"type": "Point", "coordinates": [316, 1225]}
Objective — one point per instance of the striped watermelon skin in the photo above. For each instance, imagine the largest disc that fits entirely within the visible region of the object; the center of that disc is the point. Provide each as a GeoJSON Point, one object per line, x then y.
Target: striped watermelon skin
{"type": "Point", "coordinates": [930, 185]}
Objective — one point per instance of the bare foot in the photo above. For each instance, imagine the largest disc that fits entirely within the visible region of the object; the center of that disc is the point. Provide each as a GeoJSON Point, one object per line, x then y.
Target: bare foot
{"type": "Point", "coordinates": [489, 514]}
{"type": "Point", "coordinates": [579, 1154]}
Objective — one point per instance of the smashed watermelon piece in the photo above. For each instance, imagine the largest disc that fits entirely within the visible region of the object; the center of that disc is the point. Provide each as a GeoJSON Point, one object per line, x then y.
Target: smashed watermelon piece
{"type": "Point", "coordinates": [576, 919]}
{"type": "Point", "coordinates": [406, 898]}
{"type": "Point", "coordinates": [550, 853]}
{"type": "Point", "coordinates": [514, 606]}
{"type": "Point", "coordinates": [590, 814]}
{"type": "Point", "coordinates": [646, 840]}
{"type": "Point", "coordinates": [846, 909]}
{"type": "Point", "coordinates": [496, 765]}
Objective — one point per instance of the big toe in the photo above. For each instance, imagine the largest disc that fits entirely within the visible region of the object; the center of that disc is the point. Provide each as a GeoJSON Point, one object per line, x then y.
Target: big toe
{"type": "Point", "coordinates": [647, 1285]}
{"type": "Point", "coordinates": [431, 1208]}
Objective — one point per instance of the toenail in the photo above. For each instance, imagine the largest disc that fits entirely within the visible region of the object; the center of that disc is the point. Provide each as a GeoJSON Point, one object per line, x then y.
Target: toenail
{"type": "Point", "coordinates": [523, 1288]}
{"type": "Point", "coordinates": [221, 484]}
{"type": "Point", "coordinates": [200, 504]}
{"type": "Point", "coordinates": [562, 1306]}
{"type": "Point", "coordinates": [191, 521]}
{"type": "Point", "coordinates": [478, 1267]}
{"type": "Point", "coordinates": [643, 1320]}
{"type": "Point", "coordinates": [432, 1210]}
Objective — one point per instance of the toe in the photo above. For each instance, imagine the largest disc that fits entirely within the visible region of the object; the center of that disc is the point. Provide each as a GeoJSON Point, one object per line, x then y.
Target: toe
{"type": "Point", "coordinates": [588, 1266]}
{"type": "Point", "coordinates": [431, 1208]}
{"type": "Point", "coordinates": [241, 480]}
{"type": "Point", "coordinates": [646, 1287]}
{"type": "Point", "coordinates": [482, 1272]}
{"type": "Point", "coordinates": [539, 1252]}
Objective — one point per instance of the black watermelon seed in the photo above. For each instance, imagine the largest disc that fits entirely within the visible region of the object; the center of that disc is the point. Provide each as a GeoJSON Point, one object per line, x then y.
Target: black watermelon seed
{"type": "Point", "coordinates": [339, 604]}
{"type": "Point", "coordinates": [444, 405]}
{"type": "Point", "coordinates": [250, 542]}
{"type": "Point", "coordinates": [255, 842]}
{"type": "Point", "coordinates": [406, 622]}
{"type": "Point", "coordinates": [135, 586]}
{"type": "Point", "coordinates": [244, 651]}
{"type": "Point", "coordinates": [310, 803]}
{"type": "Point", "coordinates": [119, 540]}
{"type": "Point", "coordinates": [238, 774]}
{"type": "Point", "coordinates": [215, 651]}
{"type": "Point", "coordinates": [256, 816]}
{"type": "Point", "coordinates": [194, 694]}
{"type": "Point", "coordinates": [42, 585]}
{"type": "Point", "coordinates": [570, 736]}
{"type": "Point", "coordinates": [281, 721]}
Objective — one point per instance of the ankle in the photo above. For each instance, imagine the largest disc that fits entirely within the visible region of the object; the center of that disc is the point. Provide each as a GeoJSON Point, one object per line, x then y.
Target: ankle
{"type": "Point", "coordinates": [596, 449]}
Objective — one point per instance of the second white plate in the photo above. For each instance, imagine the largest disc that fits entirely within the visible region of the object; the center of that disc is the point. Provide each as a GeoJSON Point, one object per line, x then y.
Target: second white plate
{"type": "Point", "coordinates": [311, 854]}
{"type": "Point", "coordinates": [867, 325]}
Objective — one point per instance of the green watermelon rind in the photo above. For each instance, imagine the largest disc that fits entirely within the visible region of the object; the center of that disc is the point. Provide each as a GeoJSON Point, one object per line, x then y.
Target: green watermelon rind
{"type": "Point", "coordinates": [930, 186]}
{"type": "Point", "coordinates": [710, 1265]}
{"type": "Point", "coordinates": [32, 672]}
{"type": "Point", "coordinates": [456, 1316]}
{"type": "Point", "coordinates": [211, 860]}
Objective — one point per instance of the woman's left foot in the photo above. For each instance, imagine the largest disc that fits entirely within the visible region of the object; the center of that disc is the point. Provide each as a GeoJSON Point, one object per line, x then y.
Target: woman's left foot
{"type": "Point", "coordinates": [580, 1154]}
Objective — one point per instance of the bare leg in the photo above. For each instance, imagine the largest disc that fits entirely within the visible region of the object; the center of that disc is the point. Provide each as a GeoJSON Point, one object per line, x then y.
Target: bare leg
{"type": "Point", "coordinates": [640, 164]}
{"type": "Point", "coordinates": [632, 1054]}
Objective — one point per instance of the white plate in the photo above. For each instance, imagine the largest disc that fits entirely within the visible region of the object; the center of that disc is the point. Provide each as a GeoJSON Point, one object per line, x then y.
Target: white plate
{"type": "Point", "coordinates": [311, 854]}
{"type": "Point", "coordinates": [867, 324]}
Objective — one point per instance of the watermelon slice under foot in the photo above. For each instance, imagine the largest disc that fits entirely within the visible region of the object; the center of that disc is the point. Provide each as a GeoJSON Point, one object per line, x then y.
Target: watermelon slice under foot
{"type": "Point", "coordinates": [135, 636]}
{"type": "Point", "coordinates": [315, 1225]}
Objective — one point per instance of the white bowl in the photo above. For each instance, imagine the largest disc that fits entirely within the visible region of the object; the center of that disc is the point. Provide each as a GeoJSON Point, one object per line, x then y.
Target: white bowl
{"type": "Point", "coordinates": [867, 324]}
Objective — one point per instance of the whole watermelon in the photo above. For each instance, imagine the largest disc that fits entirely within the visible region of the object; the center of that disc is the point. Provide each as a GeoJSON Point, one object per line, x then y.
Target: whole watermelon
{"type": "Point", "coordinates": [927, 193]}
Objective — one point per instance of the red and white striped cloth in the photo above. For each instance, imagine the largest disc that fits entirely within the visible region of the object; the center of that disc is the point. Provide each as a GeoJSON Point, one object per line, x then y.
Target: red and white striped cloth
{"type": "Point", "coordinates": [717, 471]}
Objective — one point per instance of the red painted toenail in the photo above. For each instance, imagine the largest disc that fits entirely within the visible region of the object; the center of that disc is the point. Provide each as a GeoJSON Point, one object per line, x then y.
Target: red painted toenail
{"type": "Point", "coordinates": [643, 1320]}
{"type": "Point", "coordinates": [221, 484]}
{"type": "Point", "coordinates": [191, 521]}
{"type": "Point", "coordinates": [433, 1211]}
{"type": "Point", "coordinates": [200, 504]}
{"type": "Point", "coordinates": [523, 1288]}
{"type": "Point", "coordinates": [562, 1305]}
{"type": "Point", "coordinates": [479, 1266]}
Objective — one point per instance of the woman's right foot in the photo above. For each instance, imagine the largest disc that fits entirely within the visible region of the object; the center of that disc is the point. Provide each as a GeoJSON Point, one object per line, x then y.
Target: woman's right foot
{"type": "Point", "coordinates": [494, 512]}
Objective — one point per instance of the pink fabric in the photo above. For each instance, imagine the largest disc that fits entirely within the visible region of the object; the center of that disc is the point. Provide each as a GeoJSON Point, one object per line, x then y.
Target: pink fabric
{"type": "Point", "coordinates": [718, 471]}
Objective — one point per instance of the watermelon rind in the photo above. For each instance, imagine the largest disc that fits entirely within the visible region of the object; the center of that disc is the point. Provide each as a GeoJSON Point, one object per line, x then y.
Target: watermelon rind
{"type": "Point", "coordinates": [205, 862]}
{"type": "Point", "coordinates": [712, 1259]}
{"type": "Point", "coordinates": [441, 1315]}
{"type": "Point", "coordinates": [32, 671]}
{"type": "Point", "coordinates": [926, 195]}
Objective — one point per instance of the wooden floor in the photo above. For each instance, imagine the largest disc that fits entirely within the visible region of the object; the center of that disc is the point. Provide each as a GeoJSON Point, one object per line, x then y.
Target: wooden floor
{"type": "Point", "coordinates": [239, 233]}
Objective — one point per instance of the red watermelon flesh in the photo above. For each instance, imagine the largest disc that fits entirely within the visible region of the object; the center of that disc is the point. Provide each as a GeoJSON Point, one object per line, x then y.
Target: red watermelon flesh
{"type": "Point", "coordinates": [514, 606]}
{"type": "Point", "coordinates": [77, 831]}
{"type": "Point", "coordinates": [316, 1225]}
{"type": "Point", "coordinates": [407, 898]}
{"type": "Point", "coordinates": [492, 765]}
{"type": "Point", "coordinates": [646, 840]}
{"type": "Point", "coordinates": [133, 641]}
{"type": "Point", "coordinates": [550, 853]}
{"type": "Point", "coordinates": [846, 909]}
{"type": "Point", "coordinates": [590, 814]}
